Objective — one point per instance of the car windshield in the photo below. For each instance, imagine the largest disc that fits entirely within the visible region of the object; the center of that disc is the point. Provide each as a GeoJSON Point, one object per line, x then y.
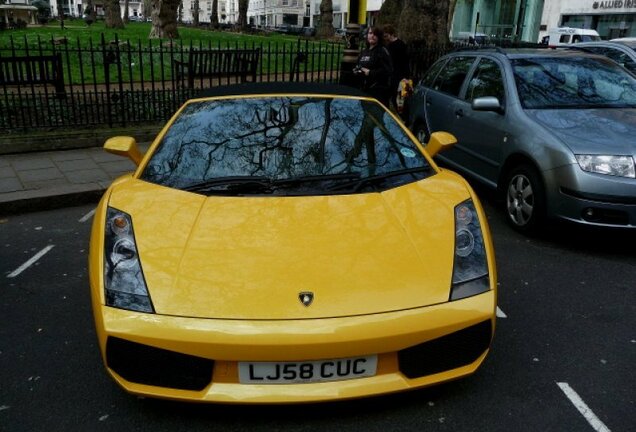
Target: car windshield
{"type": "Point", "coordinates": [285, 146]}
{"type": "Point", "coordinates": [573, 82]}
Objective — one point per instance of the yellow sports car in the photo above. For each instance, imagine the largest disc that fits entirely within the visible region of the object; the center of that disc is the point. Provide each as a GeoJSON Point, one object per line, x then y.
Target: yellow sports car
{"type": "Point", "coordinates": [289, 244]}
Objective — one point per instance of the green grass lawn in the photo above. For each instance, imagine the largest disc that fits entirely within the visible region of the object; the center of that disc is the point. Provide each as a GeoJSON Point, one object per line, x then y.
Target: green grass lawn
{"type": "Point", "coordinates": [77, 32]}
{"type": "Point", "coordinates": [142, 58]}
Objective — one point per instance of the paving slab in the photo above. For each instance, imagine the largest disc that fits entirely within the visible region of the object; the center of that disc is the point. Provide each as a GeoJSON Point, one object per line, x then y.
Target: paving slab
{"type": "Point", "coordinates": [7, 172]}
{"type": "Point", "coordinates": [52, 179]}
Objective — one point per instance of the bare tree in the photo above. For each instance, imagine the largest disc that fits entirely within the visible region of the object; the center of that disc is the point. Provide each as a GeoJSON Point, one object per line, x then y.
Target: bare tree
{"type": "Point", "coordinates": [126, 12]}
{"type": "Point", "coordinates": [164, 19]}
{"type": "Point", "coordinates": [147, 8]}
{"type": "Point", "coordinates": [325, 28]}
{"type": "Point", "coordinates": [242, 18]}
{"type": "Point", "coordinates": [214, 18]}
{"type": "Point", "coordinates": [390, 13]}
{"type": "Point", "coordinates": [60, 10]}
{"type": "Point", "coordinates": [195, 13]}
{"type": "Point", "coordinates": [427, 20]}
{"type": "Point", "coordinates": [89, 10]}
{"type": "Point", "coordinates": [113, 14]}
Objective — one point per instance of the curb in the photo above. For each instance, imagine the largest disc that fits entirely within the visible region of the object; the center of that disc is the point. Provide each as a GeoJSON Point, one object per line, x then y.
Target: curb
{"type": "Point", "coordinates": [49, 199]}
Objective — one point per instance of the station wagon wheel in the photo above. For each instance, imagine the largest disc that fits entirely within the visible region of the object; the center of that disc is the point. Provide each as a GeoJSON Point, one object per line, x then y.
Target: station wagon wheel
{"type": "Point", "coordinates": [420, 130]}
{"type": "Point", "coordinates": [525, 199]}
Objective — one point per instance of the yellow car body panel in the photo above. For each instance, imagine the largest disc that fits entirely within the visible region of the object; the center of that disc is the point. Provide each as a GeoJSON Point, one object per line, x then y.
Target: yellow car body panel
{"type": "Point", "coordinates": [197, 250]}
{"type": "Point", "coordinates": [229, 341]}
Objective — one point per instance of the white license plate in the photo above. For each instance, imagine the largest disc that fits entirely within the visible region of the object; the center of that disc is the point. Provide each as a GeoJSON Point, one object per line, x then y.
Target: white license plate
{"type": "Point", "coordinates": [307, 371]}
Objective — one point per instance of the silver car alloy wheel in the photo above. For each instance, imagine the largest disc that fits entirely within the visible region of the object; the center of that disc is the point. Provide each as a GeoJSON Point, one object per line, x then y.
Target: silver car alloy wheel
{"type": "Point", "coordinates": [520, 200]}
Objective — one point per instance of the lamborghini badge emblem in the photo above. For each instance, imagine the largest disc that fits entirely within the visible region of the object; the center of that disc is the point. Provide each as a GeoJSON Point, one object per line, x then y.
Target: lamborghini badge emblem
{"type": "Point", "coordinates": [306, 298]}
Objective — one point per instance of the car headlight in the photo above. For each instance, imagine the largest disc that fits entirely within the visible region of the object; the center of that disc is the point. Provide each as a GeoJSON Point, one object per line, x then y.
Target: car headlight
{"type": "Point", "coordinates": [124, 282]}
{"type": "Point", "coordinates": [621, 166]}
{"type": "Point", "coordinates": [470, 269]}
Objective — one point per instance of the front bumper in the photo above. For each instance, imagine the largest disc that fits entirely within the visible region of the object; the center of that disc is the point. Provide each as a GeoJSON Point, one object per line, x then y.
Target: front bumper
{"type": "Point", "coordinates": [416, 348]}
{"type": "Point", "coordinates": [591, 199]}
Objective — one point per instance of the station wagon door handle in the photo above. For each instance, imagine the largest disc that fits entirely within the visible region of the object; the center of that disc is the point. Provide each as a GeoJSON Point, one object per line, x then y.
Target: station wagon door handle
{"type": "Point", "coordinates": [459, 112]}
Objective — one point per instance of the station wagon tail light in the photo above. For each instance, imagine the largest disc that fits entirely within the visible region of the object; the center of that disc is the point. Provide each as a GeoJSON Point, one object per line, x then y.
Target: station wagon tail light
{"type": "Point", "coordinates": [621, 166]}
{"type": "Point", "coordinates": [124, 283]}
{"type": "Point", "coordinates": [470, 269]}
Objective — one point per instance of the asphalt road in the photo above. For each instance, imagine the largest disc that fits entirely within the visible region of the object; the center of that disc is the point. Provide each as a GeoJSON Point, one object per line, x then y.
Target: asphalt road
{"type": "Point", "coordinates": [563, 357]}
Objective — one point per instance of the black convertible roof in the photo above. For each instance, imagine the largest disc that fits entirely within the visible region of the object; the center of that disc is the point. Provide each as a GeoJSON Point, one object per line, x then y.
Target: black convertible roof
{"type": "Point", "coordinates": [281, 87]}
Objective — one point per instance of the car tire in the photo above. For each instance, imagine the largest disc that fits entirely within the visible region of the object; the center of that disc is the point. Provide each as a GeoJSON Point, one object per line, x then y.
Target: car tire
{"type": "Point", "coordinates": [420, 130]}
{"type": "Point", "coordinates": [524, 199]}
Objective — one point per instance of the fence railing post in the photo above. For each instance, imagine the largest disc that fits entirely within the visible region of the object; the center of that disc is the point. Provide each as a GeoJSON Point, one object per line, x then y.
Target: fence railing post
{"type": "Point", "coordinates": [153, 87]}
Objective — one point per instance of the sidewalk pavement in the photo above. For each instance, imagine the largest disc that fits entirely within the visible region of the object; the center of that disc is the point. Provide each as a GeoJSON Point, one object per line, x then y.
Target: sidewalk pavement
{"type": "Point", "coordinates": [53, 179]}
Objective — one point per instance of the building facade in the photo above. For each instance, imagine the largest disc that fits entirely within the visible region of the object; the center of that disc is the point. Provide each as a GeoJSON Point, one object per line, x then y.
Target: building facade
{"type": "Point", "coordinates": [75, 8]}
{"type": "Point", "coordinates": [205, 11]}
{"type": "Point", "coordinates": [514, 20]}
{"type": "Point", "coordinates": [13, 12]}
{"type": "Point", "coordinates": [275, 13]}
{"type": "Point", "coordinates": [610, 18]}
{"type": "Point", "coordinates": [227, 9]}
{"type": "Point", "coordinates": [501, 19]}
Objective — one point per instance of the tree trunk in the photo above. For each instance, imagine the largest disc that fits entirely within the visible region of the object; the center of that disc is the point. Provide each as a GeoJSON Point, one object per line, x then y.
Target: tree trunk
{"type": "Point", "coordinates": [147, 8]}
{"type": "Point", "coordinates": [242, 18]}
{"type": "Point", "coordinates": [113, 14]}
{"type": "Point", "coordinates": [214, 18]}
{"type": "Point", "coordinates": [126, 12]}
{"type": "Point", "coordinates": [90, 11]}
{"type": "Point", "coordinates": [390, 13]}
{"type": "Point", "coordinates": [164, 19]}
{"type": "Point", "coordinates": [60, 11]}
{"type": "Point", "coordinates": [424, 20]}
{"type": "Point", "coordinates": [195, 13]}
{"type": "Point", "coordinates": [325, 28]}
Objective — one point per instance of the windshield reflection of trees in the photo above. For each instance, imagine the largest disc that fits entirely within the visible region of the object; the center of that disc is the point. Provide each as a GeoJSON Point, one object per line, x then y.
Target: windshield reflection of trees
{"type": "Point", "coordinates": [573, 83]}
{"type": "Point", "coordinates": [281, 138]}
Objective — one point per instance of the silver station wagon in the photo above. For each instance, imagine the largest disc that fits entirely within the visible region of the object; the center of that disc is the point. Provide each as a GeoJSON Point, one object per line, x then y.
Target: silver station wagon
{"type": "Point", "coordinates": [554, 132]}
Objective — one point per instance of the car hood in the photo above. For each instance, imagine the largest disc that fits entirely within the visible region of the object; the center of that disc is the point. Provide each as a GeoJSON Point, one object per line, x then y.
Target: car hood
{"type": "Point", "coordinates": [594, 131]}
{"type": "Point", "coordinates": [252, 257]}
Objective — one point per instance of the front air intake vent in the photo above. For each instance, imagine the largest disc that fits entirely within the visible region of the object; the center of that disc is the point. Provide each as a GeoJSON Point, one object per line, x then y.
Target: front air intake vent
{"type": "Point", "coordinates": [448, 352]}
{"type": "Point", "coordinates": [143, 364]}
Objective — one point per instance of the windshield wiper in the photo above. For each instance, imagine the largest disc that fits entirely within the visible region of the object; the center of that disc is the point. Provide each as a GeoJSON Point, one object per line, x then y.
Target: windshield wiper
{"type": "Point", "coordinates": [294, 181]}
{"type": "Point", "coordinates": [356, 185]}
{"type": "Point", "coordinates": [231, 184]}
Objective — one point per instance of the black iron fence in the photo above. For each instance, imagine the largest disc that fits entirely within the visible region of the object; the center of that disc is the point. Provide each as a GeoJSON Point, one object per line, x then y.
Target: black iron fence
{"type": "Point", "coordinates": [51, 84]}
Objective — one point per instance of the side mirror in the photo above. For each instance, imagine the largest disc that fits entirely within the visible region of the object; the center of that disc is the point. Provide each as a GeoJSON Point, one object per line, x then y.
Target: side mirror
{"type": "Point", "coordinates": [124, 146]}
{"type": "Point", "coordinates": [487, 103]}
{"type": "Point", "coordinates": [439, 142]}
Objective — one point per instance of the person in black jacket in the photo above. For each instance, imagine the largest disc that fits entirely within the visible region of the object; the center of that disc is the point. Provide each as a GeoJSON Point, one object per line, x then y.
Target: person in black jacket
{"type": "Point", "coordinates": [374, 67]}
{"type": "Point", "coordinates": [399, 57]}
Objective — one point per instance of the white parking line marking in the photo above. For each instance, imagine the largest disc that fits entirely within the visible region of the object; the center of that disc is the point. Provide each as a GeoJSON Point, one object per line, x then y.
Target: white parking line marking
{"type": "Point", "coordinates": [30, 262]}
{"type": "Point", "coordinates": [500, 313]}
{"type": "Point", "coordinates": [591, 418]}
{"type": "Point", "coordinates": [87, 216]}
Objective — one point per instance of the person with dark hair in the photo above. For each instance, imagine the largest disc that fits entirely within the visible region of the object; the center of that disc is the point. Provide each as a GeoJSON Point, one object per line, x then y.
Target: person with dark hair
{"type": "Point", "coordinates": [374, 67]}
{"type": "Point", "coordinates": [399, 57]}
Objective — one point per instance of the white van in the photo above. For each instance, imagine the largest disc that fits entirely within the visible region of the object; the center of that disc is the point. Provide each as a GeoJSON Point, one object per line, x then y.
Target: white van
{"type": "Point", "coordinates": [564, 36]}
